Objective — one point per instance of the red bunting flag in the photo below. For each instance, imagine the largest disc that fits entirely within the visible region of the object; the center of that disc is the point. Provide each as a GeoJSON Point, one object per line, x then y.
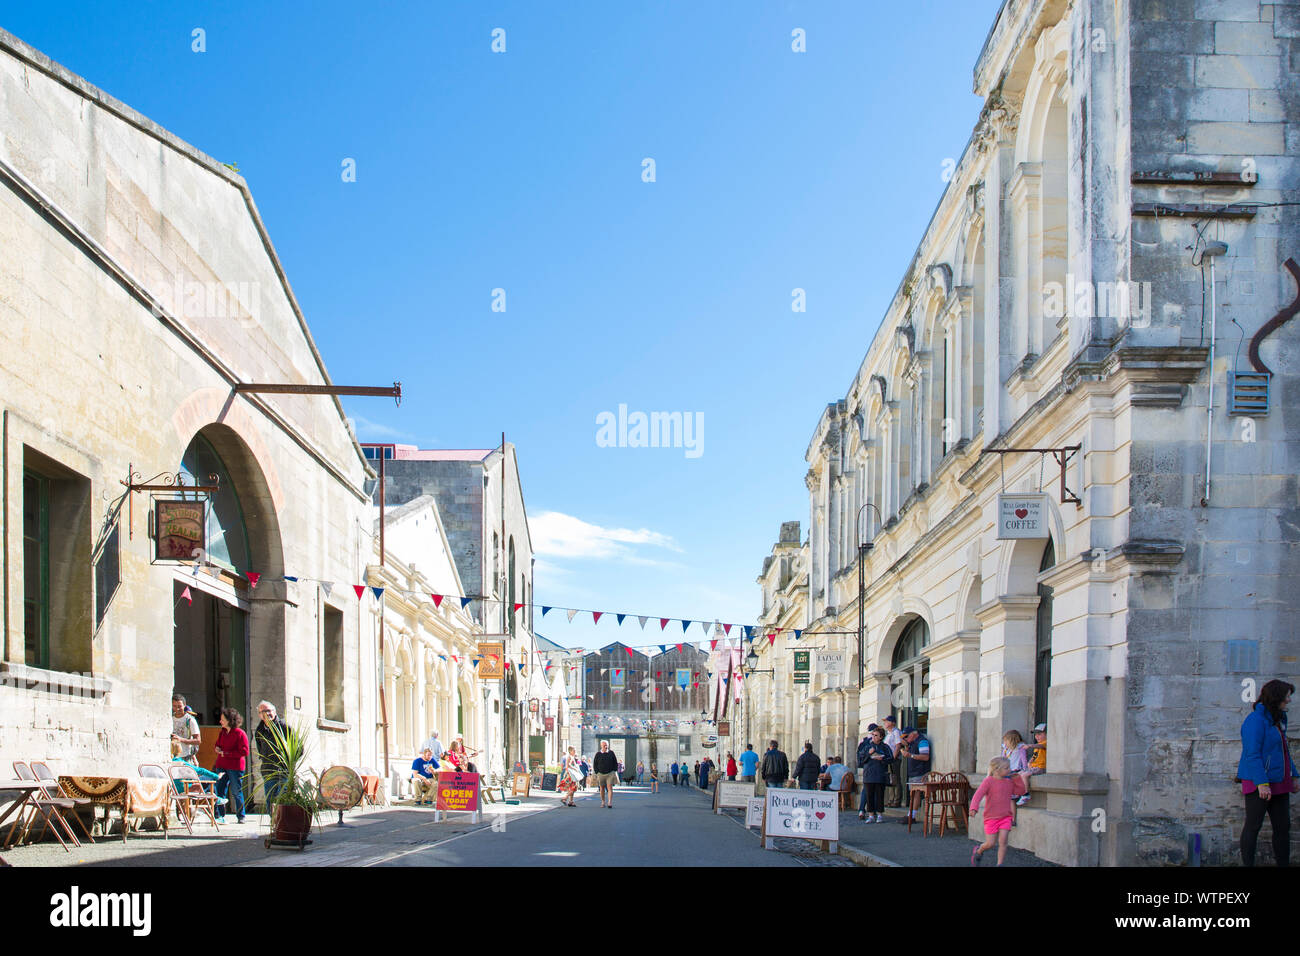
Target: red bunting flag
{"type": "Point", "coordinates": [517, 607]}
{"type": "Point", "coordinates": [713, 645]}
{"type": "Point", "coordinates": [595, 616]}
{"type": "Point", "coordinates": [360, 589]}
{"type": "Point", "coordinates": [726, 628]}
{"type": "Point", "coordinates": [630, 652]}
{"type": "Point", "coordinates": [437, 600]}
{"type": "Point", "coordinates": [663, 622]}
{"type": "Point", "coordinates": [188, 596]}
{"type": "Point", "coordinates": [771, 639]}
{"type": "Point", "coordinates": [253, 578]}
{"type": "Point", "coordinates": [679, 647]}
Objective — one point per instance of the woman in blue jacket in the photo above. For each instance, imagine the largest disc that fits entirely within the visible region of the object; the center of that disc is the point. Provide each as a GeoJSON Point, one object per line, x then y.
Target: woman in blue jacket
{"type": "Point", "coordinates": [1267, 772]}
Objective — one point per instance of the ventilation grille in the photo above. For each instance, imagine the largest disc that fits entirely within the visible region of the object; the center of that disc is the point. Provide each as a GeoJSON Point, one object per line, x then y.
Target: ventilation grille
{"type": "Point", "coordinates": [1248, 393]}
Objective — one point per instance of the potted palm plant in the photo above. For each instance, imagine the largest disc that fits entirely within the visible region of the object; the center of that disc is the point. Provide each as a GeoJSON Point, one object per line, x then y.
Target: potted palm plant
{"type": "Point", "coordinates": [293, 808]}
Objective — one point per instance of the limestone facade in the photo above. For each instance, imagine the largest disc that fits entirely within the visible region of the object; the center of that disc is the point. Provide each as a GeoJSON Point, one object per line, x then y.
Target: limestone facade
{"type": "Point", "coordinates": [138, 286]}
{"type": "Point", "coordinates": [1055, 300]}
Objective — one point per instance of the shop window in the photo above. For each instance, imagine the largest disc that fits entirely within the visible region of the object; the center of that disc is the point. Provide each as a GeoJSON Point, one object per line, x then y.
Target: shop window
{"type": "Point", "coordinates": [332, 664]}
{"type": "Point", "coordinates": [57, 586]}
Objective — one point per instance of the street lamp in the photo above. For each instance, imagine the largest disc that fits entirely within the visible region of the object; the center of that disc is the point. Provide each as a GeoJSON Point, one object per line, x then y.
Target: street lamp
{"type": "Point", "coordinates": [863, 548]}
{"type": "Point", "coordinates": [748, 670]}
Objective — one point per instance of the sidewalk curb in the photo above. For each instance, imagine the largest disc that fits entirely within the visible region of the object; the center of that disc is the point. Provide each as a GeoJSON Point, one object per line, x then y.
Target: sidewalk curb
{"type": "Point", "coordinates": [862, 857]}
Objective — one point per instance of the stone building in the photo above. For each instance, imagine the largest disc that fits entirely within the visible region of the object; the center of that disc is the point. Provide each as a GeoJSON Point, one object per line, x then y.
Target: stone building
{"type": "Point", "coordinates": [138, 288]}
{"type": "Point", "coordinates": [1120, 204]}
{"type": "Point", "coordinates": [481, 504]}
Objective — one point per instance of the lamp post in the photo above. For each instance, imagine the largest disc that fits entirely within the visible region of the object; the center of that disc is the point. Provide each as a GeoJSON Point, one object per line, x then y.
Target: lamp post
{"type": "Point", "coordinates": [863, 548]}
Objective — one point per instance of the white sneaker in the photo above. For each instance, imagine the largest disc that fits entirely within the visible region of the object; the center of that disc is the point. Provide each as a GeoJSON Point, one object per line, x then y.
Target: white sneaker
{"type": "Point", "coordinates": [880, 818]}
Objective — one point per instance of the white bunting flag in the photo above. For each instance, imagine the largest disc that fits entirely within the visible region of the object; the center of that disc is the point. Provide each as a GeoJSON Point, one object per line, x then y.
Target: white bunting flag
{"type": "Point", "coordinates": [571, 612]}
{"type": "Point", "coordinates": [327, 586]}
{"type": "Point", "coordinates": [643, 620]}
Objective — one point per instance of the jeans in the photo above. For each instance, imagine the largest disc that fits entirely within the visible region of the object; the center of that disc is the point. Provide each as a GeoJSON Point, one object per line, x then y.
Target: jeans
{"type": "Point", "coordinates": [273, 783]}
{"type": "Point", "coordinates": [806, 786]}
{"type": "Point", "coordinates": [1278, 808]}
{"type": "Point", "coordinates": [873, 798]}
{"type": "Point", "coordinates": [229, 777]}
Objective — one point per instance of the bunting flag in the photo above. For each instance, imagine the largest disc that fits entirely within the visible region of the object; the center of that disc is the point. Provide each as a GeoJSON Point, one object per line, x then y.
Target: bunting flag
{"type": "Point", "coordinates": [727, 629]}
{"type": "Point", "coordinates": [196, 574]}
{"type": "Point", "coordinates": [771, 639]}
{"type": "Point", "coordinates": [679, 648]}
{"type": "Point", "coordinates": [464, 602]}
{"type": "Point", "coordinates": [360, 589]}
{"type": "Point", "coordinates": [798, 634]}
{"type": "Point", "coordinates": [663, 648]}
{"type": "Point", "coordinates": [517, 607]}
{"type": "Point", "coordinates": [475, 662]}
{"type": "Point", "coordinates": [188, 596]}
{"type": "Point", "coordinates": [713, 645]}
{"type": "Point", "coordinates": [620, 619]}
{"type": "Point", "coordinates": [663, 622]}
{"type": "Point", "coordinates": [253, 578]}
{"type": "Point", "coordinates": [595, 616]}
{"type": "Point", "coordinates": [437, 600]}
{"type": "Point", "coordinates": [685, 625]}
{"type": "Point", "coordinates": [544, 610]}
{"type": "Point", "coordinates": [327, 587]}
{"type": "Point", "coordinates": [441, 657]}
{"type": "Point", "coordinates": [290, 578]}
{"type": "Point", "coordinates": [571, 612]}
{"type": "Point", "coordinates": [630, 652]}
{"type": "Point", "coordinates": [379, 593]}
{"type": "Point", "coordinates": [749, 633]}
{"type": "Point", "coordinates": [642, 620]}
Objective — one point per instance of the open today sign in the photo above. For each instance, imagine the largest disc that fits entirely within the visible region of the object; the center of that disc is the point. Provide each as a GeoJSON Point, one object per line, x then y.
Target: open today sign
{"type": "Point", "coordinates": [1022, 516]}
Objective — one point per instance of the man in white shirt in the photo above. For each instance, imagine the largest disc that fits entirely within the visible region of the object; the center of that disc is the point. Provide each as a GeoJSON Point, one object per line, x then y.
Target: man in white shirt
{"type": "Point", "coordinates": [185, 730]}
{"type": "Point", "coordinates": [433, 744]}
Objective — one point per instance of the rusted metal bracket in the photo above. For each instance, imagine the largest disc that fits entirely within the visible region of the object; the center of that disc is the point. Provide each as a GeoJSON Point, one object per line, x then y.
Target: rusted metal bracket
{"type": "Point", "coordinates": [173, 481]}
{"type": "Point", "coordinates": [270, 388]}
{"type": "Point", "coordinates": [1062, 456]}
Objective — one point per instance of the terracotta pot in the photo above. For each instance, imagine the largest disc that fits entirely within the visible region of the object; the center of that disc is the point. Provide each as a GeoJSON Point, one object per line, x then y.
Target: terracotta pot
{"type": "Point", "coordinates": [290, 822]}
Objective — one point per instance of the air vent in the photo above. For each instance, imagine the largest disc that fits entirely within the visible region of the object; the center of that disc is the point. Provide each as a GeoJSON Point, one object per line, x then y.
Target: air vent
{"type": "Point", "coordinates": [1243, 657]}
{"type": "Point", "coordinates": [1248, 393]}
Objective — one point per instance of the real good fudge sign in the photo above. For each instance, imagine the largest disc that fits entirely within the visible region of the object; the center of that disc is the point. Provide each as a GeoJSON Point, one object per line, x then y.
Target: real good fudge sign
{"type": "Point", "coordinates": [804, 814]}
{"type": "Point", "coordinates": [1022, 516]}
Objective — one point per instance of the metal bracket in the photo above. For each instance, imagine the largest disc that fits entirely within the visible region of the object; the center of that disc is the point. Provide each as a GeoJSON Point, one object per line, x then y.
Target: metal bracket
{"type": "Point", "coordinates": [270, 388]}
{"type": "Point", "coordinates": [1062, 456]}
{"type": "Point", "coordinates": [173, 481]}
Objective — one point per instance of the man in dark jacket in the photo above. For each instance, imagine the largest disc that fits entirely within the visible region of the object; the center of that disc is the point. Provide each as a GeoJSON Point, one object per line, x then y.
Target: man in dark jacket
{"type": "Point", "coordinates": [807, 768]}
{"type": "Point", "coordinates": [606, 766]}
{"type": "Point", "coordinates": [264, 738]}
{"type": "Point", "coordinates": [775, 768]}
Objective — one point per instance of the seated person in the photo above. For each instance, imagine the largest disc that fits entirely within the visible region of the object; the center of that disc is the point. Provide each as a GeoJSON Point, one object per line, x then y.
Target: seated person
{"type": "Point", "coordinates": [422, 779]}
{"type": "Point", "coordinates": [835, 770]}
{"type": "Point", "coordinates": [206, 776]}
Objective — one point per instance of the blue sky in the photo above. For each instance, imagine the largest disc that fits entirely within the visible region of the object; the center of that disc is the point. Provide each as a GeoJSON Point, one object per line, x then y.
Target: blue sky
{"type": "Point", "coordinates": [523, 171]}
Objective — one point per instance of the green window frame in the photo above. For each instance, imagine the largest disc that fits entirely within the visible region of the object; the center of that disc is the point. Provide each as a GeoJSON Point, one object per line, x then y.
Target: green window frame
{"type": "Point", "coordinates": [36, 568]}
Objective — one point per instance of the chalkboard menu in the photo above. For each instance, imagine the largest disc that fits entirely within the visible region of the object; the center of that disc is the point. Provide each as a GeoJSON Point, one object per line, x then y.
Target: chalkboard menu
{"type": "Point", "coordinates": [549, 780]}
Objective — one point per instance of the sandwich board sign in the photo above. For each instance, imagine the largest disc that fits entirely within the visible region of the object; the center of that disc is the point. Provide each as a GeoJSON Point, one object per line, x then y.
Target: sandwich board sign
{"type": "Point", "coordinates": [457, 793]}
{"type": "Point", "coordinates": [754, 812]}
{"type": "Point", "coordinates": [1022, 516]}
{"type": "Point", "coordinates": [732, 793]}
{"type": "Point", "coordinates": [801, 815]}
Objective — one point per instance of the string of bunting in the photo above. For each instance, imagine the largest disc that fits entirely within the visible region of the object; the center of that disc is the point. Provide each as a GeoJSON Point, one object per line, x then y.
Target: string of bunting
{"type": "Point", "coordinates": [746, 631]}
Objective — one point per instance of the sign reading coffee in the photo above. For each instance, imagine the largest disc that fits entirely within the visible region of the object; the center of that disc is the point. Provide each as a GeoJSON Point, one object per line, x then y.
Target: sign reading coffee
{"type": "Point", "coordinates": [179, 529]}
{"type": "Point", "coordinates": [1022, 516]}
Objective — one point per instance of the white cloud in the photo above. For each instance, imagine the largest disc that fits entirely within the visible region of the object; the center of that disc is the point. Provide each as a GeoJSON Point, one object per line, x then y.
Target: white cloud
{"type": "Point", "coordinates": [366, 430]}
{"type": "Point", "coordinates": [564, 536]}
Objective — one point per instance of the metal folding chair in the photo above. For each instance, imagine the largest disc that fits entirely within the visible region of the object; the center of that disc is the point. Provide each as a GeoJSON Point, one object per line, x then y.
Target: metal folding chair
{"type": "Point", "coordinates": [195, 794]}
{"type": "Point", "coordinates": [48, 807]}
{"type": "Point", "coordinates": [51, 784]}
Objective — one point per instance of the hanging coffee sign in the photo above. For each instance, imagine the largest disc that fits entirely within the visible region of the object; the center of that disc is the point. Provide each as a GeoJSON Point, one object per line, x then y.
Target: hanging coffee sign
{"type": "Point", "coordinates": [1022, 516]}
{"type": "Point", "coordinates": [178, 529]}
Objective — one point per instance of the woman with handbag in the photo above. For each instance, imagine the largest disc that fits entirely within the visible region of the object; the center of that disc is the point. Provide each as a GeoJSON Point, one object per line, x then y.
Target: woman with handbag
{"type": "Point", "coordinates": [570, 777]}
{"type": "Point", "coordinates": [1267, 773]}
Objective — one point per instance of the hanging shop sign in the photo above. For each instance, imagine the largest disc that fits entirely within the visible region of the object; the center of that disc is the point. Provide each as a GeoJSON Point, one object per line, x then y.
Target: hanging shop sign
{"type": "Point", "coordinates": [1022, 516]}
{"type": "Point", "coordinates": [178, 529]}
{"type": "Point", "coordinates": [830, 663]}
{"type": "Point", "coordinates": [492, 658]}
{"type": "Point", "coordinates": [802, 815]}
{"type": "Point", "coordinates": [802, 666]}
{"type": "Point", "coordinates": [550, 725]}
{"type": "Point", "coordinates": [724, 728]}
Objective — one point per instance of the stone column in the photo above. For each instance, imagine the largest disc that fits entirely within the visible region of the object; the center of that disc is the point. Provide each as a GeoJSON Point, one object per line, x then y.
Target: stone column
{"type": "Point", "coordinates": [1007, 642]}
{"type": "Point", "coordinates": [955, 700]}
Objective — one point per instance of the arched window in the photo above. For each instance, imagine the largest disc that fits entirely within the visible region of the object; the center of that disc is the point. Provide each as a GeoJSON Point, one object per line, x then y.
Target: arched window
{"type": "Point", "coordinates": [1043, 651]}
{"type": "Point", "coordinates": [911, 676]}
{"type": "Point", "coordinates": [226, 533]}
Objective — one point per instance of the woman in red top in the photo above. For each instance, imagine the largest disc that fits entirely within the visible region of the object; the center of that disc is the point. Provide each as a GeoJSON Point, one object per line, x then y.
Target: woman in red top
{"type": "Point", "coordinates": [232, 751]}
{"type": "Point", "coordinates": [731, 767]}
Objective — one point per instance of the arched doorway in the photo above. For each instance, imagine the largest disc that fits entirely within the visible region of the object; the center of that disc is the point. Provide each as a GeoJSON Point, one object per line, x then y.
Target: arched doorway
{"type": "Point", "coordinates": [910, 677]}
{"type": "Point", "coordinates": [228, 645]}
{"type": "Point", "coordinates": [1043, 638]}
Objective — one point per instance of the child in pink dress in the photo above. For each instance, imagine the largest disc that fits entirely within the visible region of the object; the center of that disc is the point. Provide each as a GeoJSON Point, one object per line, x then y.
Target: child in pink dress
{"type": "Point", "coordinates": [999, 789]}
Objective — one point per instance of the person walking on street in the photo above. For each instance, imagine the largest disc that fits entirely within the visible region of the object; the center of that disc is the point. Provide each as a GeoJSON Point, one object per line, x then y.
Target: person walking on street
{"type": "Point", "coordinates": [807, 768]}
{"type": "Point", "coordinates": [775, 769]}
{"type": "Point", "coordinates": [673, 770]}
{"type": "Point", "coordinates": [874, 757]}
{"type": "Point", "coordinates": [748, 764]}
{"type": "Point", "coordinates": [640, 772]}
{"type": "Point", "coordinates": [1267, 772]}
{"type": "Point", "coordinates": [570, 777]}
{"type": "Point", "coordinates": [232, 751]}
{"type": "Point", "coordinates": [731, 766]}
{"type": "Point", "coordinates": [654, 778]}
{"type": "Point", "coordinates": [606, 767]}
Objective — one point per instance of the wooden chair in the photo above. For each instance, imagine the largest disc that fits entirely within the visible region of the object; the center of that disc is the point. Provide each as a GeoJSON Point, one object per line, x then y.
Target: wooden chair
{"type": "Point", "coordinates": [55, 789]}
{"type": "Point", "coordinates": [48, 807]}
{"type": "Point", "coordinates": [847, 786]}
{"type": "Point", "coordinates": [193, 795]}
{"type": "Point", "coordinates": [926, 786]}
{"type": "Point", "coordinates": [951, 796]}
